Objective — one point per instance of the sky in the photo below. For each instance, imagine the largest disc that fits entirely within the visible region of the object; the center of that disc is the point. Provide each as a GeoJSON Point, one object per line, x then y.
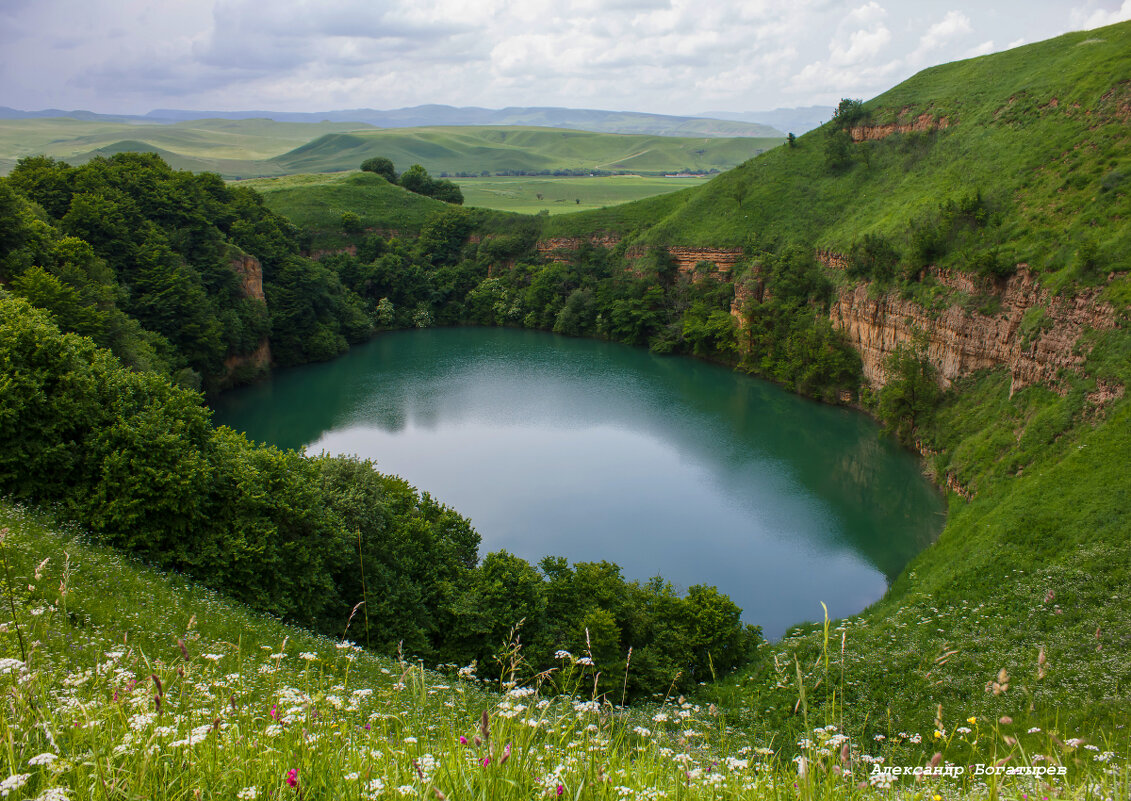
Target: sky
{"type": "Point", "coordinates": [661, 56]}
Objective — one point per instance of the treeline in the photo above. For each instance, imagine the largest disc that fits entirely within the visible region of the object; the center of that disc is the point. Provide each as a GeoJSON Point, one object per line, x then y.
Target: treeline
{"type": "Point", "coordinates": [143, 259]}
{"type": "Point", "coordinates": [136, 460]}
{"type": "Point", "coordinates": [415, 179]}
{"type": "Point", "coordinates": [781, 330]}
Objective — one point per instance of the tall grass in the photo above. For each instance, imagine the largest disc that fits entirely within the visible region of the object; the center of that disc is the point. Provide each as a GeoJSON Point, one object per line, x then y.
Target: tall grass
{"type": "Point", "coordinates": [143, 685]}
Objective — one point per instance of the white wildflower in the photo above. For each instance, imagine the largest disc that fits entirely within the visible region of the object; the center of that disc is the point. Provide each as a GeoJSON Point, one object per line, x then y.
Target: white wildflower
{"type": "Point", "coordinates": [46, 758]}
{"type": "Point", "coordinates": [53, 794]}
{"type": "Point", "coordinates": [13, 782]}
{"type": "Point", "coordinates": [248, 794]}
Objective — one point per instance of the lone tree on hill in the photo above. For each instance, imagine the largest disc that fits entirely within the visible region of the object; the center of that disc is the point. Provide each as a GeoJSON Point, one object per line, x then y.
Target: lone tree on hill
{"type": "Point", "coordinates": [382, 166]}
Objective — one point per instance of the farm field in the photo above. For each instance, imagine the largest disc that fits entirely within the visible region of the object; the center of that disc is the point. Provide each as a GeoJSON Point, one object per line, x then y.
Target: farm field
{"type": "Point", "coordinates": [259, 147]}
{"type": "Point", "coordinates": [530, 195]}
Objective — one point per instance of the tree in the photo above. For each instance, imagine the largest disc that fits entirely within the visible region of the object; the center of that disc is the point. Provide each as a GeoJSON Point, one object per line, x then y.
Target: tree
{"type": "Point", "coordinates": [910, 391]}
{"type": "Point", "coordinates": [416, 179]}
{"type": "Point", "coordinates": [380, 166]}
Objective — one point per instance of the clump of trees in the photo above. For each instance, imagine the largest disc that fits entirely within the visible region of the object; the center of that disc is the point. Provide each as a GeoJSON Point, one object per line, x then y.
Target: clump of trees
{"type": "Point", "coordinates": [135, 460]}
{"type": "Point", "coordinates": [415, 179]}
{"type": "Point", "coordinates": [145, 260]}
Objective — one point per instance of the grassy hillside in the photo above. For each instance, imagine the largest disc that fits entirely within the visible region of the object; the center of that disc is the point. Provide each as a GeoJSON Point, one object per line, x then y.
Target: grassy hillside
{"type": "Point", "coordinates": [502, 149]}
{"type": "Point", "coordinates": [317, 202]}
{"type": "Point", "coordinates": [1039, 133]}
{"type": "Point", "coordinates": [1028, 579]}
{"type": "Point", "coordinates": [257, 147]}
{"type": "Point", "coordinates": [232, 148]}
{"type": "Point", "coordinates": [125, 682]}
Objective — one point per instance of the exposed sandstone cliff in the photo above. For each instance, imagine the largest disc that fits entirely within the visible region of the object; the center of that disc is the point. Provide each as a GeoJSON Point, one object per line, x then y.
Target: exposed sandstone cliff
{"type": "Point", "coordinates": [250, 272]}
{"type": "Point", "coordinates": [924, 122]}
{"type": "Point", "coordinates": [686, 258]}
{"type": "Point", "coordinates": [960, 341]}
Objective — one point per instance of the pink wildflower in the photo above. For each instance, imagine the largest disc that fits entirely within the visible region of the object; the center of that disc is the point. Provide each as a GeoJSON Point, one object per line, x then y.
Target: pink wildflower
{"type": "Point", "coordinates": [292, 777]}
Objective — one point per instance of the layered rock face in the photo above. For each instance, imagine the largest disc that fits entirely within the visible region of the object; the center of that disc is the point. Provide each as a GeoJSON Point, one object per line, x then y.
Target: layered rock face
{"type": "Point", "coordinates": [250, 272]}
{"type": "Point", "coordinates": [960, 341]}
{"type": "Point", "coordinates": [922, 123]}
{"type": "Point", "coordinates": [558, 249]}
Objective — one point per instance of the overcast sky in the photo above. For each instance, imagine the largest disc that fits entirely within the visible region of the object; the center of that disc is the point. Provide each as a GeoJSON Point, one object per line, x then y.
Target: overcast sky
{"type": "Point", "coordinates": [665, 56]}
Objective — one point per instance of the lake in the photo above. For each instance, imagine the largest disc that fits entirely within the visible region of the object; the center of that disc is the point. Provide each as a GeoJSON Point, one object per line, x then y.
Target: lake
{"type": "Point", "coordinates": [597, 451]}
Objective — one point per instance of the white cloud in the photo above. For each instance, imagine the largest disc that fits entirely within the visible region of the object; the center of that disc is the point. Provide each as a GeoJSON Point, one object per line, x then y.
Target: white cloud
{"type": "Point", "coordinates": [1085, 19]}
{"type": "Point", "coordinates": [955, 23]}
{"type": "Point", "coordinates": [869, 13]}
{"type": "Point", "coordinates": [671, 56]}
{"type": "Point", "coordinates": [981, 50]}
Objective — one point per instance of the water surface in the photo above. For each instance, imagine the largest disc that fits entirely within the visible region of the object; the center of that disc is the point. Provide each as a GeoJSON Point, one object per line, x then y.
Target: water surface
{"type": "Point", "coordinates": [591, 450]}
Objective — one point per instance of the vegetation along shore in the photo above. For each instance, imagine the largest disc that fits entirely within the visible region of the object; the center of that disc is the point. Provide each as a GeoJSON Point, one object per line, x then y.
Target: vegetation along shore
{"type": "Point", "coordinates": [189, 614]}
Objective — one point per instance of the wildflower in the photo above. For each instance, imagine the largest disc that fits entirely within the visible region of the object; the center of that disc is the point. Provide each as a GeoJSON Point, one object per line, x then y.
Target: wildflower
{"type": "Point", "coordinates": [462, 740]}
{"type": "Point", "coordinates": [1035, 730]}
{"type": "Point", "coordinates": [248, 794]}
{"type": "Point", "coordinates": [410, 740]}
{"type": "Point", "coordinates": [561, 789]}
{"type": "Point", "coordinates": [562, 655]}
{"type": "Point", "coordinates": [584, 660]}
{"type": "Point", "coordinates": [53, 794]}
{"type": "Point", "coordinates": [292, 777]}
{"type": "Point", "coordinates": [486, 761]}
{"type": "Point", "coordinates": [13, 782]}
{"type": "Point", "coordinates": [971, 720]}
{"type": "Point", "coordinates": [45, 758]}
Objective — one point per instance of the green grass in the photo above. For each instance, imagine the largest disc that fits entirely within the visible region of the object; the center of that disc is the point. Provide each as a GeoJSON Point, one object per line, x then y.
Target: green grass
{"type": "Point", "coordinates": [317, 202]}
{"type": "Point", "coordinates": [122, 682]}
{"type": "Point", "coordinates": [561, 195]}
{"type": "Point", "coordinates": [233, 148]}
{"type": "Point", "coordinates": [501, 149]}
{"type": "Point", "coordinates": [254, 148]}
{"type": "Point", "coordinates": [1055, 178]}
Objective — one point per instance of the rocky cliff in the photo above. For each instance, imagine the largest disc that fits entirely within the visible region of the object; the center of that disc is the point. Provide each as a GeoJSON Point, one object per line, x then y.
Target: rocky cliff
{"type": "Point", "coordinates": [250, 273]}
{"type": "Point", "coordinates": [686, 258]}
{"type": "Point", "coordinates": [1031, 333]}
{"type": "Point", "coordinates": [922, 123]}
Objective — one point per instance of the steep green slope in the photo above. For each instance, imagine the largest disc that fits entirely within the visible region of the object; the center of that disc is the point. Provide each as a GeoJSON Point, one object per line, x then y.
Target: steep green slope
{"type": "Point", "coordinates": [123, 681]}
{"type": "Point", "coordinates": [317, 203]}
{"type": "Point", "coordinates": [512, 149]}
{"type": "Point", "coordinates": [1039, 134]}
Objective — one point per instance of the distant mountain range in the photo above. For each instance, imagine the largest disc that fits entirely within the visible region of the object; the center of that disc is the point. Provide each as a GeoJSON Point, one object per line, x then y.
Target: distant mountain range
{"type": "Point", "coordinates": [621, 122]}
{"type": "Point", "coordinates": [792, 120]}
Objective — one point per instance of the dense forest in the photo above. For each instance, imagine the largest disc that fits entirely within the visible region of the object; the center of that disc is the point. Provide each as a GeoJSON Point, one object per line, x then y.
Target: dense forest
{"type": "Point", "coordinates": [123, 298]}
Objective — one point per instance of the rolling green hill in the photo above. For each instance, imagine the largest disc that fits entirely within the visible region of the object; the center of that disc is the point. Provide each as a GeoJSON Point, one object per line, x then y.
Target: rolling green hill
{"type": "Point", "coordinates": [1036, 137]}
{"type": "Point", "coordinates": [257, 147]}
{"type": "Point", "coordinates": [233, 148]}
{"type": "Point", "coordinates": [497, 150]}
{"type": "Point", "coordinates": [317, 202]}
{"type": "Point", "coordinates": [982, 167]}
